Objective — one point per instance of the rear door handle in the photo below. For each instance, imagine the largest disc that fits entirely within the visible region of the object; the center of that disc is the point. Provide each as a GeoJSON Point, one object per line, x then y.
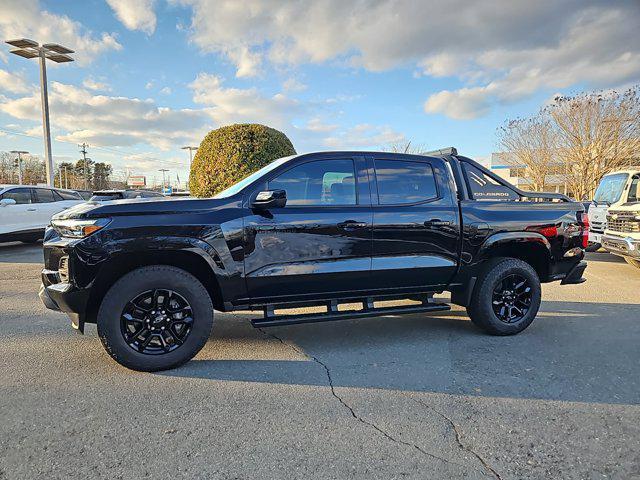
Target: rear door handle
{"type": "Point", "coordinates": [436, 222]}
{"type": "Point", "coordinates": [31, 209]}
{"type": "Point", "coordinates": [351, 225]}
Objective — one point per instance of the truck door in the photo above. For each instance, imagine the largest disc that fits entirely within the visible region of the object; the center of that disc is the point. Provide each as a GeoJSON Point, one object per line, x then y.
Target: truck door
{"type": "Point", "coordinates": [416, 228]}
{"type": "Point", "coordinates": [320, 242]}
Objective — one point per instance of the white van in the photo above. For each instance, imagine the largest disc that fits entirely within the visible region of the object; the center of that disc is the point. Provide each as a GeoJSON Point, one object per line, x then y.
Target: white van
{"type": "Point", "coordinates": [25, 210]}
{"type": "Point", "coordinates": [612, 191]}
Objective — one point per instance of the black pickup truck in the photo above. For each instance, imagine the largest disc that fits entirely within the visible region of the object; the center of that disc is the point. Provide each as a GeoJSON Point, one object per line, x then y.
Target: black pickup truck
{"type": "Point", "coordinates": [320, 229]}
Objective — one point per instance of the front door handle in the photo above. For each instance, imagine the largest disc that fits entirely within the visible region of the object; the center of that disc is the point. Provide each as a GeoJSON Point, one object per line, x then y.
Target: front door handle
{"type": "Point", "coordinates": [436, 222]}
{"type": "Point", "coordinates": [351, 225]}
{"type": "Point", "coordinates": [31, 209]}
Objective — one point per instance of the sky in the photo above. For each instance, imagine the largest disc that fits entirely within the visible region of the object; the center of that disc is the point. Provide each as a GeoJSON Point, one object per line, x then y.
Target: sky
{"type": "Point", "coordinates": [151, 76]}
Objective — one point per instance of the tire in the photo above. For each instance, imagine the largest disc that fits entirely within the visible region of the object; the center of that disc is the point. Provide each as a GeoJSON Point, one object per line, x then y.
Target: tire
{"type": "Point", "coordinates": [174, 287]}
{"type": "Point", "coordinates": [486, 305]}
{"type": "Point", "coordinates": [632, 261]}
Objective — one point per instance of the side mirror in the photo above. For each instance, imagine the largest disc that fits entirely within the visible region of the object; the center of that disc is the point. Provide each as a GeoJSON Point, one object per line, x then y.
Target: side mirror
{"type": "Point", "coordinates": [7, 201]}
{"type": "Point", "coordinates": [270, 199]}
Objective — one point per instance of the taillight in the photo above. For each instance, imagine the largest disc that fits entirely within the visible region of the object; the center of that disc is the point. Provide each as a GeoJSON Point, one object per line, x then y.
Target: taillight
{"type": "Point", "coordinates": [583, 220]}
{"type": "Point", "coordinates": [549, 231]}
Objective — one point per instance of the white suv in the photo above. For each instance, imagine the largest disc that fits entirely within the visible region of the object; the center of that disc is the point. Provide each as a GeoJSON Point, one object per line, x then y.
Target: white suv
{"type": "Point", "coordinates": [25, 210]}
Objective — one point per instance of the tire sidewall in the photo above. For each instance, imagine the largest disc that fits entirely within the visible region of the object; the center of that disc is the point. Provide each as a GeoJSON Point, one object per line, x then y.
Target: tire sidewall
{"type": "Point", "coordinates": [137, 282]}
{"type": "Point", "coordinates": [482, 304]}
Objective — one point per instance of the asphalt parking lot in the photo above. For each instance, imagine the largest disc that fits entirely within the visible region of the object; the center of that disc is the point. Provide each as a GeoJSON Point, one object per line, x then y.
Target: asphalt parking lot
{"type": "Point", "coordinates": [389, 397]}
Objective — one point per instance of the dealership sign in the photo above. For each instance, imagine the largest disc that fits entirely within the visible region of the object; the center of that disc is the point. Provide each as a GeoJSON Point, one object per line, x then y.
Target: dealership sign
{"type": "Point", "coordinates": [137, 181]}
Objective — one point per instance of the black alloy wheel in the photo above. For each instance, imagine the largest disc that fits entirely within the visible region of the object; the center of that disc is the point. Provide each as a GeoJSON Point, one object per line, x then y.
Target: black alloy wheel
{"type": "Point", "coordinates": [511, 298]}
{"type": "Point", "coordinates": [156, 322]}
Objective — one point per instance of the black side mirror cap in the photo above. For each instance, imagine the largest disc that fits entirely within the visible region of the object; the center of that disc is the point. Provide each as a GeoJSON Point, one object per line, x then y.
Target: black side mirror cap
{"type": "Point", "coordinates": [267, 199]}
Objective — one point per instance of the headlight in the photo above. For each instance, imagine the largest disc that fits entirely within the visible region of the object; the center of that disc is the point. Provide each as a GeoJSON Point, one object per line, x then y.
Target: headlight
{"type": "Point", "coordinates": [79, 228]}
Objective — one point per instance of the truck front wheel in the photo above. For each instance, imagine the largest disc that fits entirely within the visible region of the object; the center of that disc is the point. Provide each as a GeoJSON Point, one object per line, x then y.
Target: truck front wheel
{"type": "Point", "coordinates": [155, 318]}
{"type": "Point", "coordinates": [633, 261]}
{"type": "Point", "coordinates": [506, 297]}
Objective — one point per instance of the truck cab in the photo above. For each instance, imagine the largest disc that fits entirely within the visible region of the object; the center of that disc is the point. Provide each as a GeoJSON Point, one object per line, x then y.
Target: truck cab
{"type": "Point", "coordinates": [612, 191]}
{"type": "Point", "coordinates": [621, 234]}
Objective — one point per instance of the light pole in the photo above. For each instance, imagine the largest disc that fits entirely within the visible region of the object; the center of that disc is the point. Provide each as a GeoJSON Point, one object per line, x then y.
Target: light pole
{"type": "Point", "coordinates": [191, 150]}
{"type": "Point", "coordinates": [163, 170]}
{"type": "Point", "coordinates": [19, 153]}
{"type": "Point", "coordinates": [49, 51]}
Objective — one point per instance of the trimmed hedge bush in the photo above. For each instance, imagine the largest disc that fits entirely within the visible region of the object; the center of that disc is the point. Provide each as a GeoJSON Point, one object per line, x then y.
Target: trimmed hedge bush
{"type": "Point", "coordinates": [229, 154]}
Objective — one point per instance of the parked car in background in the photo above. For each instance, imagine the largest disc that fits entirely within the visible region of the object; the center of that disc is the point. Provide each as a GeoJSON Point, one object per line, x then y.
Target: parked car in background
{"type": "Point", "coordinates": [612, 191]}
{"type": "Point", "coordinates": [104, 195]}
{"type": "Point", "coordinates": [85, 194]}
{"type": "Point", "coordinates": [622, 234]}
{"type": "Point", "coordinates": [26, 210]}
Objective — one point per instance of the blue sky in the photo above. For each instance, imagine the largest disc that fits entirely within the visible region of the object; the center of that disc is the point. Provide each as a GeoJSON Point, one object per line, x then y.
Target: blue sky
{"type": "Point", "coordinates": [152, 76]}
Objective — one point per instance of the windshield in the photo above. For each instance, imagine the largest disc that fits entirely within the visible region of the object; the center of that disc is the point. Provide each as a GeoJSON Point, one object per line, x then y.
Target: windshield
{"type": "Point", "coordinates": [610, 188]}
{"type": "Point", "coordinates": [233, 189]}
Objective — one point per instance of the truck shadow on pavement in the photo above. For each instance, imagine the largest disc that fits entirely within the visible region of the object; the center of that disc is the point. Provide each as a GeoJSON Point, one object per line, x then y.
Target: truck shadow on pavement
{"type": "Point", "coordinates": [17, 252]}
{"type": "Point", "coordinates": [582, 352]}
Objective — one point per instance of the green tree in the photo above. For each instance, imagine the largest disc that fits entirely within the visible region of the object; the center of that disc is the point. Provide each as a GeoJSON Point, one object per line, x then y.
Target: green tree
{"type": "Point", "coordinates": [101, 174]}
{"type": "Point", "coordinates": [231, 153]}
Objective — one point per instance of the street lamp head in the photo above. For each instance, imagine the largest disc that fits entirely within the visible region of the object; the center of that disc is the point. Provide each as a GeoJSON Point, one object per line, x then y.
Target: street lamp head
{"type": "Point", "coordinates": [25, 53]}
{"type": "Point", "coordinates": [19, 152]}
{"type": "Point", "coordinates": [23, 43]}
{"type": "Point", "coordinates": [54, 47]}
{"type": "Point", "coordinates": [58, 57]}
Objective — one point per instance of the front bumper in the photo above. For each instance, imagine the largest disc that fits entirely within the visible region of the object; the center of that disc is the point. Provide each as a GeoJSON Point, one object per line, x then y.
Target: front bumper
{"type": "Point", "coordinates": [625, 246]}
{"type": "Point", "coordinates": [64, 297]}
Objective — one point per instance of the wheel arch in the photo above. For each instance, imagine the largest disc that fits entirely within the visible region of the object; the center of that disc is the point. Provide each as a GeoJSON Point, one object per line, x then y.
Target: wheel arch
{"type": "Point", "coordinates": [123, 263]}
{"type": "Point", "coordinates": [530, 247]}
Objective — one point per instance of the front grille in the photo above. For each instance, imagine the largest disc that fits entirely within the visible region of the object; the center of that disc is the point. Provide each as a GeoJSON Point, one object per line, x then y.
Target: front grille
{"type": "Point", "coordinates": [597, 227]}
{"type": "Point", "coordinates": [623, 222]}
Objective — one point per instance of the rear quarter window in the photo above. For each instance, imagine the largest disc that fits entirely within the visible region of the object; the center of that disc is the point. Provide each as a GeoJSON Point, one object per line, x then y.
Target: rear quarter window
{"type": "Point", "coordinates": [485, 188]}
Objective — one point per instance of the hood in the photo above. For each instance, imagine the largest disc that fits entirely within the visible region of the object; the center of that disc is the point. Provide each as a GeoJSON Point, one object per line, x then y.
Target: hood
{"type": "Point", "coordinates": [142, 206]}
{"type": "Point", "coordinates": [631, 207]}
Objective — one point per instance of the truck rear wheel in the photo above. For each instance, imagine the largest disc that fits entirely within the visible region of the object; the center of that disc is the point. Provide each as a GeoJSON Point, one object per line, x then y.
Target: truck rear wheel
{"type": "Point", "coordinates": [633, 261]}
{"type": "Point", "coordinates": [155, 318]}
{"type": "Point", "coordinates": [506, 297]}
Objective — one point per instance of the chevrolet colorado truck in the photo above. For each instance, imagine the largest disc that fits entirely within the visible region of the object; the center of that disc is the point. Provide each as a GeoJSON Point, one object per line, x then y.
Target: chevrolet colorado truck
{"type": "Point", "coordinates": [329, 230]}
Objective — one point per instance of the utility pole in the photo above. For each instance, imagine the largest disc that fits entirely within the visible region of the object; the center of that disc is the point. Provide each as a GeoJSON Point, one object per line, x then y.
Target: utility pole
{"type": "Point", "coordinates": [49, 51]}
{"type": "Point", "coordinates": [83, 151]}
{"type": "Point", "coordinates": [163, 170]}
{"type": "Point", "coordinates": [19, 153]}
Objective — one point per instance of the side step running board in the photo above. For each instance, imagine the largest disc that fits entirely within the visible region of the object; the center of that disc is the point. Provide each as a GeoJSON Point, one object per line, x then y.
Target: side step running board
{"type": "Point", "coordinates": [272, 320]}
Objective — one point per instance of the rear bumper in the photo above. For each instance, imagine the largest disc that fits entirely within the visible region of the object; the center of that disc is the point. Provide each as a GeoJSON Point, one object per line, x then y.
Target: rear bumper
{"type": "Point", "coordinates": [627, 247]}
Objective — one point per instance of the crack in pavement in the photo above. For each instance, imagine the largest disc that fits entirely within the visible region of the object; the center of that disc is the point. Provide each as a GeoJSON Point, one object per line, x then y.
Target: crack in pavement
{"type": "Point", "coordinates": [458, 436]}
{"type": "Point", "coordinates": [351, 410]}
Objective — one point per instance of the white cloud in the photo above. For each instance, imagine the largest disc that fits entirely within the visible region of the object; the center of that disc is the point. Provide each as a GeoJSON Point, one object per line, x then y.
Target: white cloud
{"type": "Point", "coordinates": [149, 85]}
{"type": "Point", "coordinates": [166, 91]}
{"type": "Point", "coordinates": [81, 116]}
{"type": "Point", "coordinates": [14, 82]}
{"type": "Point", "coordinates": [501, 50]}
{"type": "Point", "coordinates": [95, 85]}
{"type": "Point", "coordinates": [317, 125]}
{"type": "Point", "coordinates": [27, 18]}
{"type": "Point", "coordinates": [135, 14]}
{"type": "Point", "coordinates": [364, 136]}
{"type": "Point", "coordinates": [293, 85]}
{"type": "Point", "coordinates": [236, 105]}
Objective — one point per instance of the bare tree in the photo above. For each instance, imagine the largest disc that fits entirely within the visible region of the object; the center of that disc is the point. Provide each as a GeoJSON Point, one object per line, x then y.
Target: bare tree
{"type": "Point", "coordinates": [530, 144]}
{"type": "Point", "coordinates": [579, 139]}
{"type": "Point", "coordinates": [403, 147]}
{"type": "Point", "coordinates": [597, 133]}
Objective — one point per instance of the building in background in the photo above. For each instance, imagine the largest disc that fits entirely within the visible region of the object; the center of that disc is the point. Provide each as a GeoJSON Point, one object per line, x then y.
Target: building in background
{"type": "Point", "coordinates": [506, 165]}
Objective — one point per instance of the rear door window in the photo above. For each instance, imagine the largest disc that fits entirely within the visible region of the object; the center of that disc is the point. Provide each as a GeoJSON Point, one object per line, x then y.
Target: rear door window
{"type": "Point", "coordinates": [405, 182]}
{"type": "Point", "coordinates": [44, 195]}
{"type": "Point", "coordinates": [68, 195]}
{"type": "Point", "coordinates": [485, 188]}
